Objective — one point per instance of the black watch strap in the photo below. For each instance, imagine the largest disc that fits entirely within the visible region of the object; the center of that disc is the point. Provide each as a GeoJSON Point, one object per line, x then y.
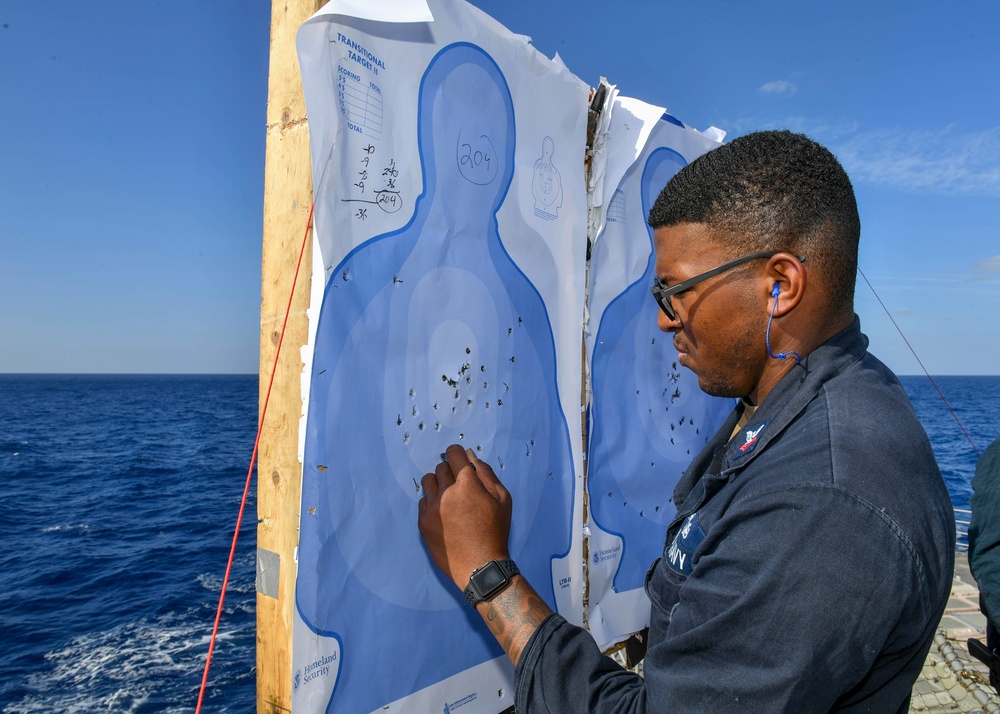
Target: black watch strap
{"type": "Point", "coordinates": [489, 580]}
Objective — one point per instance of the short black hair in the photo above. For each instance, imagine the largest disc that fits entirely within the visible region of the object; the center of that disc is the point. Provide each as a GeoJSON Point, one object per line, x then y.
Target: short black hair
{"type": "Point", "coordinates": [772, 191]}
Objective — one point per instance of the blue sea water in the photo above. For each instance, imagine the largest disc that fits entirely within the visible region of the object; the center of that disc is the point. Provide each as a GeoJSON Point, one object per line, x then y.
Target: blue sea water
{"type": "Point", "coordinates": [118, 497]}
{"type": "Point", "coordinates": [118, 500]}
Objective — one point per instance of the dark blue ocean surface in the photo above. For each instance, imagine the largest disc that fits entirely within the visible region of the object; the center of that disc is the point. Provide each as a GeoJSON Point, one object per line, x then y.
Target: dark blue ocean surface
{"type": "Point", "coordinates": [118, 499]}
{"type": "Point", "coordinates": [118, 496]}
{"type": "Point", "coordinates": [975, 402]}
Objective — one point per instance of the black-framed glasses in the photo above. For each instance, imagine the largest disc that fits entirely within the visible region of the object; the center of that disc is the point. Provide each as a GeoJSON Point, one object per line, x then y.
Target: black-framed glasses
{"type": "Point", "coordinates": [663, 292]}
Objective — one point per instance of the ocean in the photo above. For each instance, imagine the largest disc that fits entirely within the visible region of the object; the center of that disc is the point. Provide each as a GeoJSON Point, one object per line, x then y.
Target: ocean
{"type": "Point", "coordinates": [118, 496]}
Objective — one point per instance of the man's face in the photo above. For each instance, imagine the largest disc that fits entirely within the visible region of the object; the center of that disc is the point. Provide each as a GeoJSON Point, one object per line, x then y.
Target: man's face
{"type": "Point", "coordinates": [719, 328]}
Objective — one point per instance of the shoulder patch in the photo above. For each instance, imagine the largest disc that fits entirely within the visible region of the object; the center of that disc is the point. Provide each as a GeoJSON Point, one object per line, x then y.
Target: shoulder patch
{"type": "Point", "coordinates": [686, 542]}
{"type": "Point", "coordinates": [751, 437]}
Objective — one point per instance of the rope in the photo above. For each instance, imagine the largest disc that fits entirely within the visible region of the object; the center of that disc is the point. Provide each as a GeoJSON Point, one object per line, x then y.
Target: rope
{"type": "Point", "coordinates": [253, 460]}
{"type": "Point", "coordinates": [931, 379]}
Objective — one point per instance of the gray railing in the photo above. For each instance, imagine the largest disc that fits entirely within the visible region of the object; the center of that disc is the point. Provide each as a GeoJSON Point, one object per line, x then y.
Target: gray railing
{"type": "Point", "coordinates": [962, 519]}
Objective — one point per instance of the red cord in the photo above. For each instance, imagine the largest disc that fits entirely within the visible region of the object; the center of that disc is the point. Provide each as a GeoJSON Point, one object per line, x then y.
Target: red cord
{"type": "Point", "coordinates": [933, 383]}
{"type": "Point", "coordinates": [253, 459]}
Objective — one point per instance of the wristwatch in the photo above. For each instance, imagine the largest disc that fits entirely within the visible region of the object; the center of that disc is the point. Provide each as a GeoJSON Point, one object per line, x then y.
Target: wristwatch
{"type": "Point", "coordinates": [487, 581]}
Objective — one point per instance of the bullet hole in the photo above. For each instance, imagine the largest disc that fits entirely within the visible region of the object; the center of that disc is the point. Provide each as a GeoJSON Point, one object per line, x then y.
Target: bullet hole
{"type": "Point", "coordinates": [637, 392]}
{"type": "Point", "coordinates": [312, 510]}
{"type": "Point", "coordinates": [697, 431]}
{"type": "Point", "coordinates": [487, 405]}
{"type": "Point", "coordinates": [512, 358]}
{"type": "Point", "coordinates": [519, 320]}
{"type": "Point", "coordinates": [464, 369]}
{"type": "Point", "coordinates": [650, 411]}
{"type": "Point", "coordinates": [414, 410]}
{"type": "Point", "coordinates": [478, 447]}
{"type": "Point", "coordinates": [509, 331]}
{"type": "Point", "coordinates": [500, 693]}
{"type": "Point", "coordinates": [415, 484]}
{"type": "Point", "coordinates": [505, 387]}
{"type": "Point", "coordinates": [532, 442]}
{"type": "Point", "coordinates": [657, 509]}
{"type": "Point", "coordinates": [345, 276]}
{"type": "Point", "coordinates": [421, 426]}
{"type": "Point", "coordinates": [499, 402]}
{"type": "Point", "coordinates": [642, 514]}
{"type": "Point", "coordinates": [411, 394]}
{"type": "Point", "coordinates": [652, 464]}
{"type": "Point", "coordinates": [674, 366]}
{"type": "Point", "coordinates": [482, 368]}
{"type": "Point", "coordinates": [461, 437]}
{"type": "Point", "coordinates": [468, 402]}
{"type": "Point", "coordinates": [435, 406]}
{"type": "Point", "coordinates": [675, 395]}
{"type": "Point", "coordinates": [527, 450]}
{"type": "Point", "coordinates": [671, 440]}
{"type": "Point", "coordinates": [321, 468]}
{"type": "Point", "coordinates": [437, 426]}
{"type": "Point", "coordinates": [625, 504]}
{"type": "Point", "coordinates": [609, 494]}
{"type": "Point", "coordinates": [457, 394]}
{"type": "Point", "coordinates": [681, 423]}
{"type": "Point", "coordinates": [322, 371]}
{"type": "Point", "coordinates": [689, 452]}
{"type": "Point", "coordinates": [468, 380]}
{"type": "Point", "coordinates": [486, 385]}
{"type": "Point", "coordinates": [406, 438]}
{"type": "Point", "coordinates": [453, 410]}
{"type": "Point", "coordinates": [451, 382]}
{"type": "Point", "coordinates": [468, 350]}
{"type": "Point", "coordinates": [654, 340]}
{"type": "Point", "coordinates": [550, 474]}
{"type": "Point", "coordinates": [671, 426]}
{"type": "Point", "coordinates": [396, 280]}
{"type": "Point", "coordinates": [399, 420]}
{"type": "Point", "coordinates": [500, 461]}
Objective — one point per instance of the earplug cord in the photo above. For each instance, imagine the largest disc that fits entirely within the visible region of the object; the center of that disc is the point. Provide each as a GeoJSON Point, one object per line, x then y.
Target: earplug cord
{"type": "Point", "coordinates": [767, 334]}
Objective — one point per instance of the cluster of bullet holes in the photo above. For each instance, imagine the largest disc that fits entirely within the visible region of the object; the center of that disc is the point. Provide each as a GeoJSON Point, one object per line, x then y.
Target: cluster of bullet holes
{"type": "Point", "coordinates": [464, 386]}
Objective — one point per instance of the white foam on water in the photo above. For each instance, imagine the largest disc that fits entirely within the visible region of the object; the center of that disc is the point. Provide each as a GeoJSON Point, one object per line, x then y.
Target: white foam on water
{"type": "Point", "coordinates": [79, 528]}
{"type": "Point", "coordinates": [139, 665]}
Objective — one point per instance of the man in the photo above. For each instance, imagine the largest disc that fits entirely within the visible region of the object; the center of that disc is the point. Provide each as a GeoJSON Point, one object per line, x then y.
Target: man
{"type": "Point", "coordinates": [984, 553]}
{"type": "Point", "coordinates": [812, 552]}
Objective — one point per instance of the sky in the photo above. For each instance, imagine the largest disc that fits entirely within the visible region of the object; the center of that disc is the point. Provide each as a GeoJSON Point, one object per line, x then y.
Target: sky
{"type": "Point", "coordinates": [132, 159]}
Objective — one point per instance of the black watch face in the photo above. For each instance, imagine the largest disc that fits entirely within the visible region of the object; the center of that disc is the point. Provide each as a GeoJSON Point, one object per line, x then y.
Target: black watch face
{"type": "Point", "coordinates": [489, 579]}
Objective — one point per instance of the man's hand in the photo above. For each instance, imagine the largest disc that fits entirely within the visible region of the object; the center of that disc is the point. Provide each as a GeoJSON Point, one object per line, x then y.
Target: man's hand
{"type": "Point", "coordinates": [465, 522]}
{"type": "Point", "coordinates": [464, 515]}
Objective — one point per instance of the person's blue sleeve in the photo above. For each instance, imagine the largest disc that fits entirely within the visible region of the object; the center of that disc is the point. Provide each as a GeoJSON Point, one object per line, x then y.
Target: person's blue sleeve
{"type": "Point", "coordinates": [792, 597]}
{"type": "Point", "coordinates": [984, 530]}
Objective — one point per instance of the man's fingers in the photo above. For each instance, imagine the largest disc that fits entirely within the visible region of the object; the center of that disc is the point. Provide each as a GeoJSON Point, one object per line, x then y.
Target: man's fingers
{"type": "Point", "coordinates": [458, 460]}
{"type": "Point", "coordinates": [429, 485]}
{"type": "Point", "coordinates": [445, 475]}
{"type": "Point", "coordinates": [488, 477]}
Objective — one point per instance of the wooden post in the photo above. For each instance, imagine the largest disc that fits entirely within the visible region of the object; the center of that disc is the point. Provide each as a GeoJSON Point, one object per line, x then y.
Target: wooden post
{"type": "Point", "coordinates": [287, 198]}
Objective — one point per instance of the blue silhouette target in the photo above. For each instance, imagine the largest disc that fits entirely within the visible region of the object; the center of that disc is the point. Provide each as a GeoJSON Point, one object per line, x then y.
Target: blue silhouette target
{"type": "Point", "coordinates": [428, 335]}
{"type": "Point", "coordinates": [648, 417]}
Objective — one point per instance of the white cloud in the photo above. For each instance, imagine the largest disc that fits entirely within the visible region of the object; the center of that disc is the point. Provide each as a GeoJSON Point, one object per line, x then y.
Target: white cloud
{"type": "Point", "coordinates": [990, 265]}
{"type": "Point", "coordinates": [779, 86]}
{"type": "Point", "coordinates": [946, 160]}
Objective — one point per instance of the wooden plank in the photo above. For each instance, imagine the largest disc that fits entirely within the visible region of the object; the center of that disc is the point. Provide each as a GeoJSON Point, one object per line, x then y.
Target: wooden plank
{"type": "Point", "coordinates": [287, 198]}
